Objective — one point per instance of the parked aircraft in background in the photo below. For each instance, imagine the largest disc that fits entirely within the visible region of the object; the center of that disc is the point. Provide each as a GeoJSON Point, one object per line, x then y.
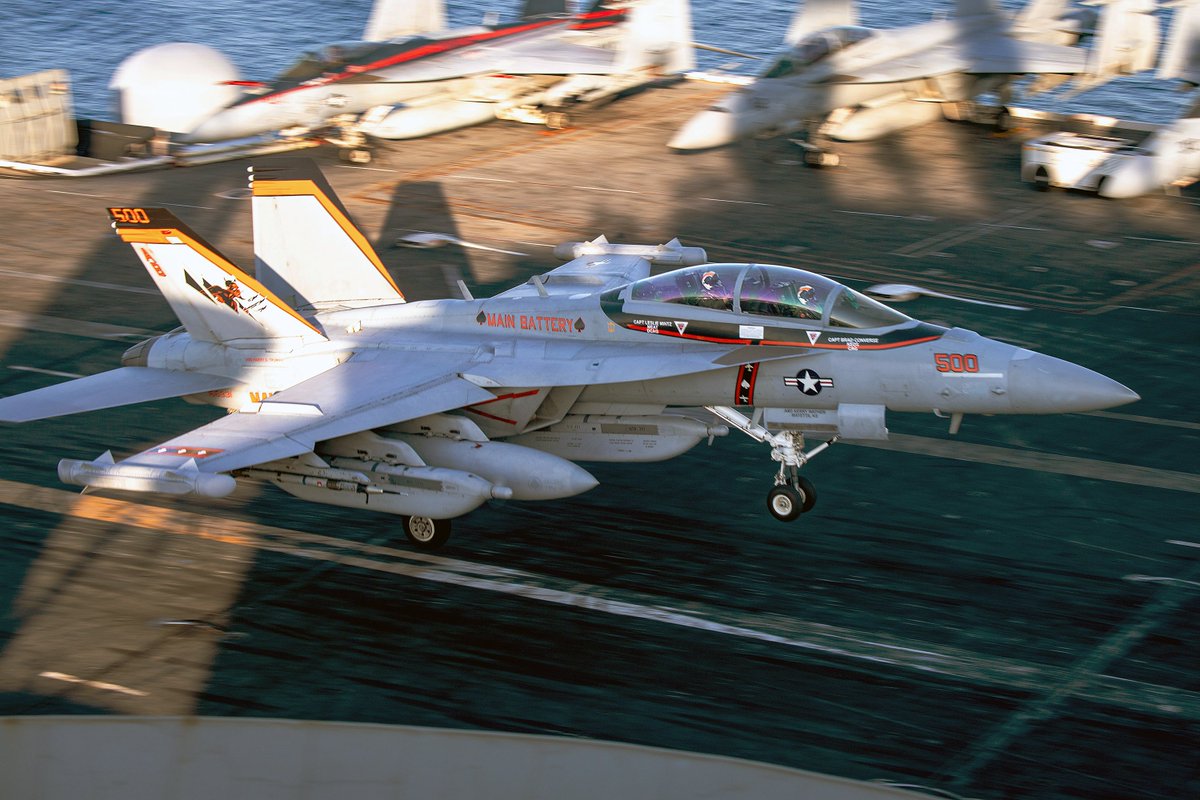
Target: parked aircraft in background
{"type": "Point", "coordinates": [412, 78]}
{"type": "Point", "coordinates": [1168, 157]}
{"type": "Point", "coordinates": [342, 393]}
{"type": "Point", "coordinates": [847, 82]}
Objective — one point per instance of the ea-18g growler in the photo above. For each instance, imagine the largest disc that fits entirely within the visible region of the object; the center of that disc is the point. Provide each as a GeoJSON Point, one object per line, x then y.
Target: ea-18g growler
{"type": "Point", "coordinates": [340, 392]}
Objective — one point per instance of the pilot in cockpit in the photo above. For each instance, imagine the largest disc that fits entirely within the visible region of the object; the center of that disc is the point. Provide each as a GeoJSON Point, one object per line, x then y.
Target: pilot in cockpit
{"type": "Point", "coordinates": [806, 302]}
{"type": "Point", "coordinates": [713, 292]}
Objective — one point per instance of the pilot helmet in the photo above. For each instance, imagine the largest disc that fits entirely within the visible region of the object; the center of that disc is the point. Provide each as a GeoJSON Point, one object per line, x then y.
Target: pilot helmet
{"type": "Point", "coordinates": [806, 294]}
{"type": "Point", "coordinates": [710, 280]}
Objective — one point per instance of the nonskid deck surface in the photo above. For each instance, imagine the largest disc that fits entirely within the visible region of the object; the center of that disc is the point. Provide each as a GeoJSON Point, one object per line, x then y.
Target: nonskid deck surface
{"type": "Point", "coordinates": [955, 612]}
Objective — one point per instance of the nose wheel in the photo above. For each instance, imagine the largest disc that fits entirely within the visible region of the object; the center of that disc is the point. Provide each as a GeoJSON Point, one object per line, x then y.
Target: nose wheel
{"type": "Point", "coordinates": [787, 501]}
{"type": "Point", "coordinates": [793, 494]}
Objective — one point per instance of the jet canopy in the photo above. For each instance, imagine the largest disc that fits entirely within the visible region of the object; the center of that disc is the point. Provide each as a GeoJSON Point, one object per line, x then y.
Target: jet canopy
{"type": "Point", "coordinates": [815, 47]}
{"type": "Point", "coordinates": [764, 290]}
{"type": "Point", "coordinates": [333, 58]}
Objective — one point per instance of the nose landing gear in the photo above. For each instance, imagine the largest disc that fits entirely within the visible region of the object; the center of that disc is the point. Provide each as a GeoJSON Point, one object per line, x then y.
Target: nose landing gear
{"type": "Point", "coordinates": [793, 494]}
{"type": "Point", "coordinates": [789, 500]}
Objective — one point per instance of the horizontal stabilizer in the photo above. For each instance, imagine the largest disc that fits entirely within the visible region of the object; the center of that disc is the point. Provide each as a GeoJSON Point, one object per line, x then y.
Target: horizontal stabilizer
{"type": "Point", "coordinates": [118, 387]}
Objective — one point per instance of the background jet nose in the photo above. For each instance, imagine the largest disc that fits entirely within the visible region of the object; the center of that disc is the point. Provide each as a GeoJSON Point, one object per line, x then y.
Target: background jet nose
{"type": "Point", "coordinates": [706, 129]}
{"type": "Point", "coordinates": [235, 122]}
{"type": "Point", "coordinates": [1039, 384]}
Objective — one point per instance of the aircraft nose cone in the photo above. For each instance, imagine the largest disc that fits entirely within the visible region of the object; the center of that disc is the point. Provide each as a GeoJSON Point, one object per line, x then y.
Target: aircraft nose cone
{"type": "Point", "coordinates": [706, 130]}
{"type": "Point", "coordinates": [231, 123]}
{"type": "Point", "coordinates": [1041, 384]}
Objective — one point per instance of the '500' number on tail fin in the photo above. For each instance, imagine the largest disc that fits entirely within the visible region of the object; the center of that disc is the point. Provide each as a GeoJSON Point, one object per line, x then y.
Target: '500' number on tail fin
{"type": "Point", "coordinates": [130, 215]}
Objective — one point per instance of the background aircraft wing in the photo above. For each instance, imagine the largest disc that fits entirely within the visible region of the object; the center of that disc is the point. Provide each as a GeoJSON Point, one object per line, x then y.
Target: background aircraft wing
{"type": "Point", "coordinates": [910, 67]}
{"type": "Point", "coordinates": [118, 387]}
{"type": "Point", "coordinates": [1019, 57]}
{"type": "Point", "coordinates": [534, 56]}
{"type": "Point", "coordinates": [370, 390]}
{"type": "Point", "coordinates": [394, 18]}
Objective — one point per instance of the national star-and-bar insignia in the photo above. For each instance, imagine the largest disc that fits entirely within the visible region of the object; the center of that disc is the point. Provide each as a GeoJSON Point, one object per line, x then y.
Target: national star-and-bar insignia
{"type": "Point", "coordinates": [809, 382]}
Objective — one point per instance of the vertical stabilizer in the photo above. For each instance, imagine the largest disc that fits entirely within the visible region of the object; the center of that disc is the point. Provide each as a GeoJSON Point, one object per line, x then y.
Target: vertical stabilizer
{"type": "Point", "coordinates": [390, 19]}
{"type": "Point", "coordinates": [658, 34]}
{"type": "Point", "coordinates": [977, 8]}
{"type": "Point", "coordinates": [214, 300]}
{"type": "Point", "coordinates": [814, 15]}
{"type": "Point", "coordinates": [1040, 12]}
{"type": "Point", "coordinates": [1181, 58]}
{"type": "Point", "coordinates": [306, 248]}
{"type": "Point", "coordinates": [1127, 39]}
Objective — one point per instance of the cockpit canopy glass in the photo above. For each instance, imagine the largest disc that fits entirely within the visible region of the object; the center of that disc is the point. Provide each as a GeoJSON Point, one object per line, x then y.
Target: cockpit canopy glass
{"type": "Point", "coordinates": [815, 47]}
{"type": "Point", "coordinates": [768, 291]}
{"type": "Point", "coordinates": [331, 59]}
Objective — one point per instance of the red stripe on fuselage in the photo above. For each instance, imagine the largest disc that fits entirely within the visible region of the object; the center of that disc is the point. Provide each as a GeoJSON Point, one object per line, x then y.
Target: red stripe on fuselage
{"type": "Point", "coordinates": [773, 343]}
{"type": "Point", "coordinates": [424, 51]}
{"type": "Point", "coordinates": [604, 18]}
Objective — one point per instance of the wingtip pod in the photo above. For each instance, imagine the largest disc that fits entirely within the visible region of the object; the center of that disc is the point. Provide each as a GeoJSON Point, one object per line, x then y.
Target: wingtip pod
{"type": "Point", "coordinates": [104, 473]}
{"type": "Point", "coordinates": [670, 254]}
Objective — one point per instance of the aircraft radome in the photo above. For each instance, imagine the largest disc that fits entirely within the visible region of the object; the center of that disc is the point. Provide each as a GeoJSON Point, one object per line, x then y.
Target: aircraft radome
{"type": "Point", "coordinates": [839, 80]}
{"type": "Point", "coordinates": [340, 392]}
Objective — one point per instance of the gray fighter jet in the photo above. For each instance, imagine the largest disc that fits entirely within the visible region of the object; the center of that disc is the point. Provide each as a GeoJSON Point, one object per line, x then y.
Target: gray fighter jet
{"type": "Point", "coordinates": [848, 82]}
{"type": "Point", "coordinates": [340, 392]}
{"type": "Point", "coordinates": [415, 79]}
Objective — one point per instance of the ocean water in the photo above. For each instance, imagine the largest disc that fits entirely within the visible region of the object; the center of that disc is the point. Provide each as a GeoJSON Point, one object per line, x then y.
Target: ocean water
{"type": "Point", "coordinates": [91, 37]}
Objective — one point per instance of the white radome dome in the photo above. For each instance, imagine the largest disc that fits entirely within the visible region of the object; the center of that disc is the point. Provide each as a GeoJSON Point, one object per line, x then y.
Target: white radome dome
{"type": "Point", "coordinates": [173, 87]}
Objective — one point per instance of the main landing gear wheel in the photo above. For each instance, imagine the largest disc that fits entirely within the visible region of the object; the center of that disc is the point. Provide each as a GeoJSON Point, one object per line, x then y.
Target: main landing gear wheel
{"type": "Point", "coordinates": [426, 533]}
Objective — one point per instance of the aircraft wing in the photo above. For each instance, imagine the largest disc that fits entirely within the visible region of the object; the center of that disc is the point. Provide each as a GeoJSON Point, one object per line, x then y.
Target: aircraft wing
{"type": "Point", "coordinates": [910, 67]}
{"type": "Point", "coordinates": [370, 390]}
{"type": "Point", "coordinates": [532, 56]}
{"type": "Point", "coordinates": [118, 387]}
{"type": "Point", "coordinates": [1018, 57]}
{"type": "Point", "coordinates": [981, 56]}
